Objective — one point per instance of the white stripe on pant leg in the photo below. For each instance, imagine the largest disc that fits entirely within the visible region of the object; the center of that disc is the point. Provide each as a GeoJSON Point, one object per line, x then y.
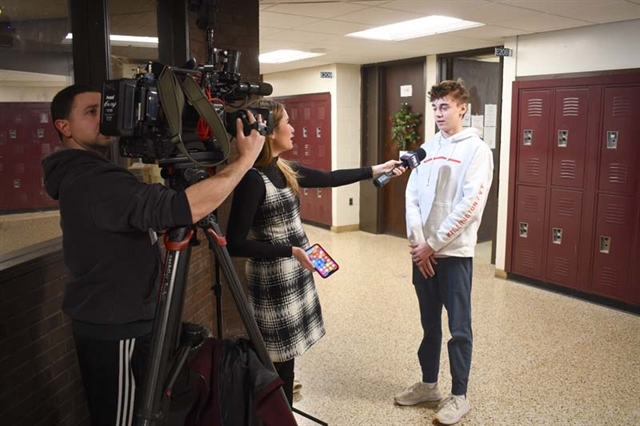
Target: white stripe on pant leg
{"type": "Point", "coordinates": [120, 365]}
{"type": "Point", "coordinates": [127, 376]}
{"type": "Point", "coordinates": [133, 384]}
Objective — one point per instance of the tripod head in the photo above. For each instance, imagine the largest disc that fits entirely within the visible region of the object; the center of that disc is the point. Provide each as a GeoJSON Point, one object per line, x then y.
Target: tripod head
{"type": "Point", "coordinates": [181, 172]}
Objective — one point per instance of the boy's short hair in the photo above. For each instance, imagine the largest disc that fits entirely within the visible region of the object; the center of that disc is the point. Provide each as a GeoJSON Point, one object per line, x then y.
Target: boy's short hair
{"type": "Point", "coordinates": [452, 88]}
{"type": "Point", "coordinates": [63, 102]}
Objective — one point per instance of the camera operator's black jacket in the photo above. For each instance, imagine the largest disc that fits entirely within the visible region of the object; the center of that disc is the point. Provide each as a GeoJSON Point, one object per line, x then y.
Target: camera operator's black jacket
{"type": "Point", "coordinates": [106, 215]}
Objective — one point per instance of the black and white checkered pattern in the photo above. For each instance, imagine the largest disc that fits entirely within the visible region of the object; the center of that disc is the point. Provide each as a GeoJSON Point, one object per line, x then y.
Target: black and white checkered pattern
{"type": "Point", "coordinates": [282, 292]}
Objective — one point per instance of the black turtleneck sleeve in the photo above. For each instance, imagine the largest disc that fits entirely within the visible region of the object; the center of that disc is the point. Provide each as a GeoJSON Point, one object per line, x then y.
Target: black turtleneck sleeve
{"type": "Point", "coordinates": [250, 193]}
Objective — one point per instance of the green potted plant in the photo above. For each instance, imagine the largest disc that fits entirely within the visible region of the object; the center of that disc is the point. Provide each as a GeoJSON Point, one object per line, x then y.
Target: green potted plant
{"type": "Point", "coordinates": [404, 127]}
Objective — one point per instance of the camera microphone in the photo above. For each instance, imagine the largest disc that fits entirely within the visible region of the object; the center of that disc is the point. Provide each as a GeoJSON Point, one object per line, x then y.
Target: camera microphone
{"type": "Point", "coordinates": [410, 160]}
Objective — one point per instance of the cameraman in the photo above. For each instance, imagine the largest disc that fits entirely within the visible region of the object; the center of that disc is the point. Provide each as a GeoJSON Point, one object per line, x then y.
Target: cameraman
{"type": "Point", "coordinates": [108, 219]}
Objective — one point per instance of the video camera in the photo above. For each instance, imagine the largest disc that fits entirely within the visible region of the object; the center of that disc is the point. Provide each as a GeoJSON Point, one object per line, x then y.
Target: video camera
{"type": "Point", "coordinates": [167, 112]}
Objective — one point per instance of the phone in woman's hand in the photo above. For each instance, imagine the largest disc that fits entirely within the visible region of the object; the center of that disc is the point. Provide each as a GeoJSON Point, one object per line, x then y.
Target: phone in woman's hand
{"type": "Point", "coordinates": [322, 262]}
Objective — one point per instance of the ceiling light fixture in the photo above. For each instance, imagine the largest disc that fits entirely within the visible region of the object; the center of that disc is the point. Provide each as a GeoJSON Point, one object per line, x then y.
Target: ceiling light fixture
{"type": "Point", "coordinates": [125, 40]}
{"type": "Point", "coordinates": [415, 28]}
{"type": "Point", "coordinates": [282, 56]}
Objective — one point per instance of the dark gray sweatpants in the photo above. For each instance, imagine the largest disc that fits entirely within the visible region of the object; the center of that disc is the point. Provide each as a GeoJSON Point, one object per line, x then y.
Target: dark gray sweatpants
{"type": "Point", "coordinates": [451, 287]}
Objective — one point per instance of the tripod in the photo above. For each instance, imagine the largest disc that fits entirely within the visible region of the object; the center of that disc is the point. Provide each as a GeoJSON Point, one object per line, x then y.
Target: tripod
{"type": "Point", "coordinates": [171, 342]}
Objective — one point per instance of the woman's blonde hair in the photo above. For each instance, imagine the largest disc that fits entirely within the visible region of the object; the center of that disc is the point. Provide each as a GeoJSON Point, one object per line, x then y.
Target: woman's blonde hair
{"type": "Point", "coordinates": [266, 155]}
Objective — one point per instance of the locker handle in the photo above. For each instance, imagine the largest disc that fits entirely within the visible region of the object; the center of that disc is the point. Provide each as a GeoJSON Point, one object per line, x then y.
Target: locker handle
{"type": "Point", "coordinates": [563, 136]}
{"type": "Point", "coordinates": [319, 192]}
{"type": "Point", "coordinates": [557, 236]}
{"type": "Point", "coordinates": [527, 137]}
{"type": "Point", "coordinates": [605, 244]}
{"type": "Point", "coordinates": [612, 139]}
{"type": "Point", "coordinates": [305, 191]}
{"type": "Point", "coordinates": [304, 132]}
{"type": "Point", "coordinates": [524, 229]}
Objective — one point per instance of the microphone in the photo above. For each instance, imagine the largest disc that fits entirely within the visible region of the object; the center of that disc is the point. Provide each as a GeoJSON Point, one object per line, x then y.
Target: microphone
{"type": "Point", "coordinates": [411, 160]}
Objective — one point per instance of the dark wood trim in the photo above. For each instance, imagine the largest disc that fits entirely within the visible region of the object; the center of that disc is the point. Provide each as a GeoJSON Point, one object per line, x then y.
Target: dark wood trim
{"type": "Point", "coordinates": [91, 48]}
{"type": "Point", "coordinates": [173, 32]}
{"type": "Point", "coordinates": [472, 52]}
{"type": "Point", "coordinates": [422, 59]}
{"type": "Point", "coordinates": [575, 75]}
{"type": "Point", "coordinates": [629, 76]}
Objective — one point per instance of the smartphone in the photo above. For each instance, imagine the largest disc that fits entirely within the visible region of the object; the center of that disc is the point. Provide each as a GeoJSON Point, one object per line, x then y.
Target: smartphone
{"type": "Point", "coordinates": [324, 264]}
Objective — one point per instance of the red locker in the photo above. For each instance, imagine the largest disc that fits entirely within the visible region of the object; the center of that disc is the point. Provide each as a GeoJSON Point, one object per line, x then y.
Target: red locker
{"type": "Point", "coordinates": [570, 132]}
{"type": "Point", "coordinates": [529, 235]}
{"type": "Point", "coordinates": [563, 237]}
{"type": "Point", "coordinates": [310, 115]}
{"type": "Point", "coordinates": [614, 245]}
{"type": "Point", "coordinates": [533, 145]}
{"type": "Point", "coordinates": [620, 140]}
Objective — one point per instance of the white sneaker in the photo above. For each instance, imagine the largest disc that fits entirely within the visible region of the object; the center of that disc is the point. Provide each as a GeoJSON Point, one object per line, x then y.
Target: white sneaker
{"type": "Point", "coordinates": [418, 393]}
{"type": "Point", "coordinates": [453, 409]}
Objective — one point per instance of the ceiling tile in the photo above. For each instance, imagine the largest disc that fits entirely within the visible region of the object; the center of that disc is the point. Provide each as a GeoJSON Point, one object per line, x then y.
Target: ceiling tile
{"type": "Point", "coordinates": [489, 32]}
{"type": "Point", "coordinates": [617, 11]}
{"type": "Point", "coordinates": [437, 7]}
{"type": "Point", "coordinates": [319, 10]}
{"type": "Point", "coordinates": [497, 13]}
{"type": "Point", "coordinates": [280, 20]}
{"type": "Point", "coordinates": [546, 23]}
{"type": "Point", "coordinates": [553, 7]}
{"type": "Point", "coordinates": [334, 27]}
{"type": "Point", "coordinates": [375, 16]}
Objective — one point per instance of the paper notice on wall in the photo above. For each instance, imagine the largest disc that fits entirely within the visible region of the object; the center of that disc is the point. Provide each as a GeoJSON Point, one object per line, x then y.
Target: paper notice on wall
{"type": "Point", "coordinates": [466, 120]}
{"type": "Point", "coordinates": [490, 137]}
{"type": "Point", "coordinates": [477, 122]}
{"type": "Point", "coordinates": [406, 91]}
{"type": "Point", "coordinates": [490, 115]}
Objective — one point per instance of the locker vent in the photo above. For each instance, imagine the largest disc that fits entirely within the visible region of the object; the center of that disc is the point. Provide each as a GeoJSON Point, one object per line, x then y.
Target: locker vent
{"type": "Point", "coordinates": [618, 173]}
{"type": "Point", "coordinates": [533, 167]}
{"type": "Point", "coordinates": [20, 168]}
{"type": "Point", "coordinates": [566, 207]}
{"type": "Point", "coordinates": [46, 148]}
{"type": "Point", "coordinates": [306, 114]}
{"type": "Point", "coordinates": [294, 113]}
{"type": "Point", "coordinates": [616, 214]}
{"type": "Point", "coordinates": [568, 169]}
{"type": "Point", "coordinates": [571, 107]}
{"type": "Point", "coordinates": [621, 106]}
{"type": "Point", "coordinates": [320, 113]}
{"type": "Point", "coordinates": [530, 204]}
{"type": "Point", "coordinates": [535, 108]}
{"type": "Point", "coordinates": [609, 277]}
{"type": "Point", "coordinates": [561, 266]}
{"type": "Point", "coordinates": [528, 259]}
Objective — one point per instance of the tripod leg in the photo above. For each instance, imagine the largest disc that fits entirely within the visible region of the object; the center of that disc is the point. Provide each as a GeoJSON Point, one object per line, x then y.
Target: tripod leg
{"type": "Point", "coordinates": [218, 243]}
{"type": "Point", "coordinates": [166, 326]}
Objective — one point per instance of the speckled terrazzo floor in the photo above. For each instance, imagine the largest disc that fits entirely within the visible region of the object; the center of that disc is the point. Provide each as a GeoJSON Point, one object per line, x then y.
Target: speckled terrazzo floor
{"type": "Point", "coordinates": [539, 358]}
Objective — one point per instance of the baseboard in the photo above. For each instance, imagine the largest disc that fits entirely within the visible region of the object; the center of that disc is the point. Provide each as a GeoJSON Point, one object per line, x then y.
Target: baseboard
{"type": "Point", "coordinates": [345, 228]}
{"type": "Point", "coordinates": [501, 274]}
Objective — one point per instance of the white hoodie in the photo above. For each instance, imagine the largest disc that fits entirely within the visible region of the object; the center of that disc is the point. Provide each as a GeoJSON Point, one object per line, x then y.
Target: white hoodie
{"type": "Point", "coordinates": [446, 194]}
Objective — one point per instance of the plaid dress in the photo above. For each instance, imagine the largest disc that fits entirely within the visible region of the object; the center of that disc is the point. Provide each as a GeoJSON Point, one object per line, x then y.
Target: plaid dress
{"type": "Point", "coordinates": [283, 294]}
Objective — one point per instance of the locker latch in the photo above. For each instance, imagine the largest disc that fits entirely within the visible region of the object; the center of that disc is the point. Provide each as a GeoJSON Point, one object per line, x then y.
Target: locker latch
{"type": "Point", "coordinates": [557, 235]}
{"type": "Point", "coordinates": [318, 132]}
{"type": "Point", "coordinates": [524, 229]}
{"type": "Point", "coordinates": [304, 132]}
{"type": "Point", "coordinates": [16, 183]}
{"type": "Point", "coordinates": [40, 133]}
{"type": "Point", "coordinates": [605, 244]}
{"type": "Point", "coordinates": [305, 191]}
{"type": "Point", "coordinates": [612, 139]}
{"type": "Point", "coordinates": [563, 135]}
{"type": "Point", "coordinates": [528, 136]}
{"type": "Point", "coordinates": [13, 134]}
{"type": "Point", "coordinates": [319, 192]}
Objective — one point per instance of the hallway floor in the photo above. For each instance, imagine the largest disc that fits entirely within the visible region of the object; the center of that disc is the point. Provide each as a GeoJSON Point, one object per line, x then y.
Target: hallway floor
{"type": "Point", "coordinates": [539, 357]}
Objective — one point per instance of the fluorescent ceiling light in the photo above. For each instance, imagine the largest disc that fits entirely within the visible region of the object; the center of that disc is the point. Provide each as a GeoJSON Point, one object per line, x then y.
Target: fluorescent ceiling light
{"type": "Point", "coordinates": [282, 56]}
{"type": "Point", "coordinates": [125, 40]}
{"type": "Point", "coordinates": [414, 28]}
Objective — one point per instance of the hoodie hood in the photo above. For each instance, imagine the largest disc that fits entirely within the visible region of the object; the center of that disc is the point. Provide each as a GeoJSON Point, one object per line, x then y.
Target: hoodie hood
{"type": "Point", "coordinates": [66, 164]}
{"type": "Point", "coordinates": [466, 133]}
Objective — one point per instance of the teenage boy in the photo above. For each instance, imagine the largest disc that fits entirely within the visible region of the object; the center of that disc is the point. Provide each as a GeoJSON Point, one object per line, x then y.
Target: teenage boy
{"type": "Point", "coordinates": [445, 198]}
